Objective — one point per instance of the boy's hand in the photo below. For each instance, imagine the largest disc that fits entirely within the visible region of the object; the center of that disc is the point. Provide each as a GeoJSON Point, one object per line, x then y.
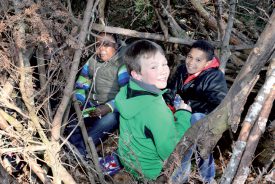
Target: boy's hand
{"type": "Point", "coordinates": [100, 111]}
{"type": "Point", "coordinates": [185, 106]}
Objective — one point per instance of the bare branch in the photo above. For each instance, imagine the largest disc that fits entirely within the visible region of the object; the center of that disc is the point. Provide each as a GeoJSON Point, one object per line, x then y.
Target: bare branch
{"type": "Point", "coordinates": [225, 51]}
{"type": "Point", "coordinates": [74, 69]}
{"type": "Point", "coordinates": [260, 104]}
{"type": "Point", "coordinates": [158, 37]}
{"type": "Point", "coordinates": [258, 129]}
{"type": "Point", "coordinates": [218, 8]}
{"type": "Point", "coordinates": [101, 12]}
{"type": "Point", "coordinates": [162, 25]}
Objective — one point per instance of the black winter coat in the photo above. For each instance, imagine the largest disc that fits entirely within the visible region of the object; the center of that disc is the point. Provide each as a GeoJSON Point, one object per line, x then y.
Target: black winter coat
{"type": "Point", "coordinates": [204, 93]}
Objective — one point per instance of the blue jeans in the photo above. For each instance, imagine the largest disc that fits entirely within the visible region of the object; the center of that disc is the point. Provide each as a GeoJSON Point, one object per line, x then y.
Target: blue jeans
{"type": "Point", "coordinates": [206, 167]}
{"type": "Point", "coordinates": [97, 129]}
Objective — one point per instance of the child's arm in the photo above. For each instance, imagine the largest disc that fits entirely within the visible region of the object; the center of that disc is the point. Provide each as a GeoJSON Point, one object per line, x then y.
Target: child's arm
{"type": "Point", "coordinates": [123, 76]}
{"type": "Point", "coordinates": [182, 120]}
{"type": "Point", "coordinates": [165, 131]}
{"type": "Point", "coordinates": [83, 84]}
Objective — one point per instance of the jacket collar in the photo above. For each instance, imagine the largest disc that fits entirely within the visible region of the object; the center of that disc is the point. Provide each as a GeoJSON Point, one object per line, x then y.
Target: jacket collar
{"type": "Point", "coordinates": [148, 87]}
{"type": "Point", "coordinates": [144, 89]}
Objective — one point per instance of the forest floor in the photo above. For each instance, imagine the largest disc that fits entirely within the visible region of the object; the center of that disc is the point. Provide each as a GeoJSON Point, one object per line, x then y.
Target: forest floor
{"type": "Point", "coordinates": [222, 154]}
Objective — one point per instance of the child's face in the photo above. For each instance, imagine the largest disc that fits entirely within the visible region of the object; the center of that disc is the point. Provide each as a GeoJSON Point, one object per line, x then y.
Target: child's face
{"type": "Point", "coordinates": [105, 47]}
{"type": "Point", "coordinates": [196, 60]}
{"type": "Point", "coordinates": [155, 71]}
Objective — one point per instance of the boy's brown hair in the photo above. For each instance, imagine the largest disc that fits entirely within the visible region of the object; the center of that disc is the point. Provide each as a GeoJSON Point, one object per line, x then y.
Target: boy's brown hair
{"type": "Point", "coordinates": [137, 51]}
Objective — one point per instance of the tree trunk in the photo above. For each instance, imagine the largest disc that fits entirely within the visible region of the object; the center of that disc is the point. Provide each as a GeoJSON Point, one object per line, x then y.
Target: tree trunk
{"type": "Point", "coordinates": [5, 177]}
{"type": "Point", "coordinates": [262, 101]}
{"type": "Point", "coordinates": [254, 137]}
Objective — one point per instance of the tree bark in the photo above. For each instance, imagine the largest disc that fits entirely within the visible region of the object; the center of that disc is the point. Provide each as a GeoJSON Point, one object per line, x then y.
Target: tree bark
{"type": "Point", "coordinates": [5, 177]}
{"type": "Point", "coordinates": [162, 25]}
{"type": "Point", "coordinates": [225, 51]}
{"type": "Point", "coordinates": [89, 144]}
{"type": "Point", "coordinates": [262, 103]}
{"type": "Point", "coordinates": [101, 12]}
{"type": "Point", "coordinates": [218, 10]}
{"type": "Point", "coordinates": [257, 131]}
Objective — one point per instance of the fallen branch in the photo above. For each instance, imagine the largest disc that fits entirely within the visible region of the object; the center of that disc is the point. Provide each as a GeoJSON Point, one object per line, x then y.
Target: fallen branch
{"type": "Point", "coordinates": [258, 129]}
{"type": "Point", "coordinates": [136, 34]}
{"type": "Point", "coordinates": [260, 104]}
{"type": "Point", "coordinates": [89, 144]}
{"type": "Point", "coordinates": [23, 149]}
{"type": "Point", "coordinates": [56, 124]}
{"type": "Point", "coordinates": [211, 21]}
{"type": "Point", "coordinates": [158, 37]}
{"type": "Point", "coordinates": [101, 7]}
{"type": "Point", "coordinates": [36, 168]}
{"type": "Point", "coordinates": [32, 163]}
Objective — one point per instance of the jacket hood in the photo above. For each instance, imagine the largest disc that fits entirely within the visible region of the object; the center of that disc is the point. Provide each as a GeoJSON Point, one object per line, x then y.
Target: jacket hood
{"type": "Point", "coordinates": [136, 97]}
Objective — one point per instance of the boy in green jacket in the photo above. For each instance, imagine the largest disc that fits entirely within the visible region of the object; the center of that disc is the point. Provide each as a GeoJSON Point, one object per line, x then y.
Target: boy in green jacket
{"type": "Point", "coordinates": [149, 131]}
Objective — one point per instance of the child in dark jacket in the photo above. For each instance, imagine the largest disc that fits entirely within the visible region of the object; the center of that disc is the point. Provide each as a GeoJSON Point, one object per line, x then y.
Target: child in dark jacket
{"type": "Point", "coordinates": [199, 81]}
{"type": "Point", "coordinates": [201, 85]}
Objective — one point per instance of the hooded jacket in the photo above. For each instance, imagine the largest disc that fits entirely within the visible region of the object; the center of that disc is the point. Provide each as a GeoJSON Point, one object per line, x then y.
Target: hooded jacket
{"type": "Point", "coordinates": [149, 131]}
{"type": "Point", "coordinates": [203, 92]}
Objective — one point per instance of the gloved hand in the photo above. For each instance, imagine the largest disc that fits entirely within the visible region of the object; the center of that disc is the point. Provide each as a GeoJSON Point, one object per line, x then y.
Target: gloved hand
{"type": "Point", "coordinates": [100, 111]}
{"type": "Point", "coordinates": [169, 97]}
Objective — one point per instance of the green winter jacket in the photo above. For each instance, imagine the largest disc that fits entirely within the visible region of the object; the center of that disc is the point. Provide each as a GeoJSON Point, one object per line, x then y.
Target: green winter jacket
{"type": "Point", "coordinates": [149, 131]}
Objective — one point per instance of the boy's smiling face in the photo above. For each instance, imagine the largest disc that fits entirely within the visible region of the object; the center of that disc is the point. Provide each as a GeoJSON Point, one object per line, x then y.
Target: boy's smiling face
{"type": "Point", "coordinates": [196, 60]}
{"type": "Point", "coordinates": [154, 70]}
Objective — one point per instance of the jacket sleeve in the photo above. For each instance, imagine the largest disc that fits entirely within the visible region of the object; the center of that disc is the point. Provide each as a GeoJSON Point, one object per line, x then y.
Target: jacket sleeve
{"type": "Point", "coordinates": [182, 120]}
{"type": "Point", "coordinates": [122, 76]}
{"type": "Point", "coordinates": [214, 89]}
{"type": "Point", "coordinates": [83, 84]}
{"type": "Point", "coordinates": [165, 131]}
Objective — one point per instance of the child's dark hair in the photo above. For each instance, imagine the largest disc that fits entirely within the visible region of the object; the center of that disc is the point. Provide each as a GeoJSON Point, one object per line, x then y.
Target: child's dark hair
{"type": "Point", "coordinates": [141, 49]}
{"type": "Point", "coordinates": [114, 36]}
{"type": "Point", "coordinates": [206, 47]}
